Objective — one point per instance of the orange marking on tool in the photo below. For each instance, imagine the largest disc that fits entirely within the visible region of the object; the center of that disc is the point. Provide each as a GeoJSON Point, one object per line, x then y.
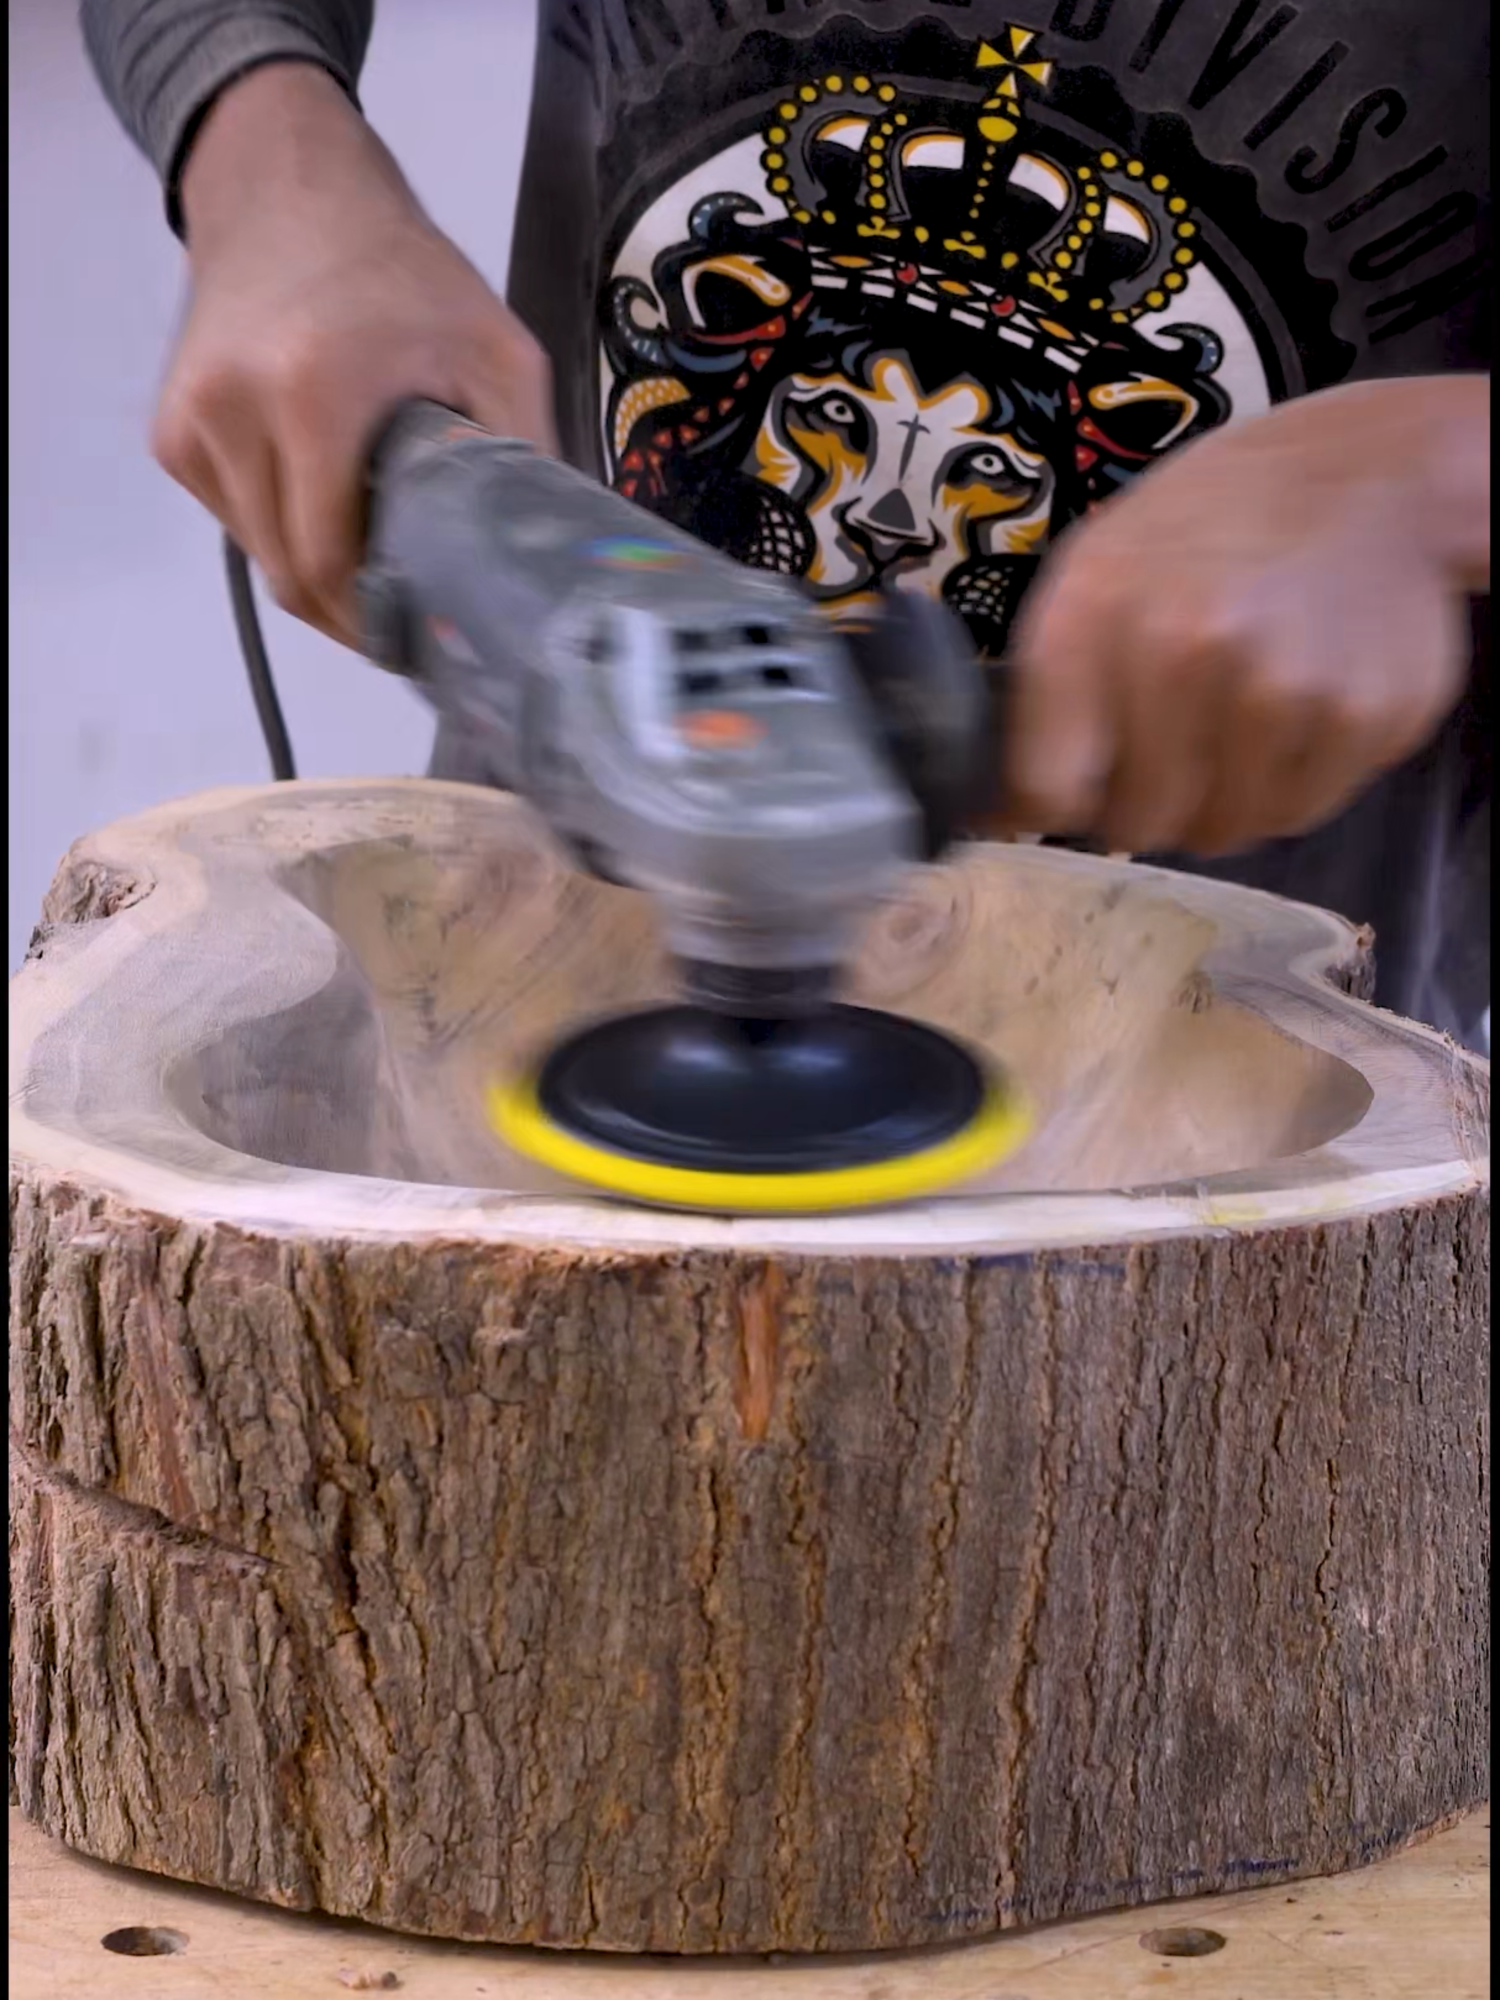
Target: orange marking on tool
{"type": "Point", "coordinates": [720, 729]}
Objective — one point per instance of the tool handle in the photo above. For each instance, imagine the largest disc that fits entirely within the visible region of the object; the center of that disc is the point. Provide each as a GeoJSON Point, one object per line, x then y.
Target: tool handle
{"type": "Point", "coordinates": [412, 430]}
{"type": "Point", "coordinates": [417, 430]}
{"type": "Point", "coordinates": [941, 710]}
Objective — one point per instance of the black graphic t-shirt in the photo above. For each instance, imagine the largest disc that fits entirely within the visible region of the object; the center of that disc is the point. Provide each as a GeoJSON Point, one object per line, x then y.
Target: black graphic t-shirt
{"type": "Point", "coordinates": [876, 292]}
{"type": "Point", "coordinates": [893, 291]}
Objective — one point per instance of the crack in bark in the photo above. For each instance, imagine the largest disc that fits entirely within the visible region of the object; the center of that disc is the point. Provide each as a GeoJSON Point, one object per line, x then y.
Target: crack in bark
{"type": "Point", "coordinates": [758, 1350]}
{"type": "Point", "coordinates": [704, 1760]}
{"type": "Point", "coordinates": [1271, 1455]}
{"type": "Point", "coordinates": [129, 1517]}
{"type": "Point", "coordinates": [812, 1562]}
{"type": "Point", "coordinates": [1329, 1635]}
{"type": "Point", "coordinates": [355, 1436]}
{"type": "Point", "coordinates": [942, 1511]}
{"type": "Point", "coordinates": [1033, 1587]}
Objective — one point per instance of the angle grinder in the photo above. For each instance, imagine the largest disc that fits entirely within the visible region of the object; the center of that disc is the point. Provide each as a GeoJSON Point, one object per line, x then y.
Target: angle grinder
{"type": "Point", "coordinates": [695, 730]}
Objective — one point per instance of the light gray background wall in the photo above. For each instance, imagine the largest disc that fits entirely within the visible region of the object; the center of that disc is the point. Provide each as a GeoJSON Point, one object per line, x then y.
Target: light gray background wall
{"type": "Point", "coordinates": [126, 686]}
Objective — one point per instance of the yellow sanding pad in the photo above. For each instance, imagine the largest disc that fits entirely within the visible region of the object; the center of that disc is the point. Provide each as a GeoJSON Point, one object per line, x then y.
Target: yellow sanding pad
{"type": "Point", "coordinates": [999, 1127]}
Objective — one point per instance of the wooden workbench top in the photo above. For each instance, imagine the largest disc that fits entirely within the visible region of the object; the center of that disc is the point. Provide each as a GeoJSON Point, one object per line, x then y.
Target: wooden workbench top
{"type": "Point", "coordinates": [1412, 1927]}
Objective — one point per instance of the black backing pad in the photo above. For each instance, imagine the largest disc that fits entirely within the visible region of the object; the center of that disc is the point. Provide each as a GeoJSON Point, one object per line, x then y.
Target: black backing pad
{"type": "Point", "coordinates": [683, 1087]}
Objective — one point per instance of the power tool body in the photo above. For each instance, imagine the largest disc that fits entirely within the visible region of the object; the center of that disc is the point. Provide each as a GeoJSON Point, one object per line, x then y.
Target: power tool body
{"type": "Point", "coordinates": [684, 725]}
{"type": "Point", "coordinates": [697, 730]}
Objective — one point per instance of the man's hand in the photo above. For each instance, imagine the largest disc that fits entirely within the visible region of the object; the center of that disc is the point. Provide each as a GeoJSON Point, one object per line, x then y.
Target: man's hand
{"type": "Point", "coordinates": [1237, 645]}
{"type": "Point", "coordinates": [322, 296]}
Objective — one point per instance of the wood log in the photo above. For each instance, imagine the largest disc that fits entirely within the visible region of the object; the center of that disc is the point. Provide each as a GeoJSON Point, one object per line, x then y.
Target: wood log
{"type": "Point", "coordinates": [399, 1533]}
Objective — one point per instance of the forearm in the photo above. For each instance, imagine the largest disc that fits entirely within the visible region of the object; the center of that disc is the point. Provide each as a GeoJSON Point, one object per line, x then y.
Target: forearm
{"type": "Point", "coordinates": [163, 63]}
{"type": "Point", "coordinates": [285, 145]}
{"type": "Point", "coordinates": [1410, 454]}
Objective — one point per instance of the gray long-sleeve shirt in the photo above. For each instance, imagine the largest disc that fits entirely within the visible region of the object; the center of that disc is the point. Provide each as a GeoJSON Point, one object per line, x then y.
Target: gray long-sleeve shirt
{"type": "Point", "coordinates": [163, 62]}
{"type": "Point", "coordinates": [898, 288]}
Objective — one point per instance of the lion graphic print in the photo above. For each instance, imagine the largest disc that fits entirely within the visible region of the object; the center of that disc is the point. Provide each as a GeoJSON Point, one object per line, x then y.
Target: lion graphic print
{"type": "Point", "coordinates": [894, 339]}
{"type": "Point", "coordinates": [886, 294]}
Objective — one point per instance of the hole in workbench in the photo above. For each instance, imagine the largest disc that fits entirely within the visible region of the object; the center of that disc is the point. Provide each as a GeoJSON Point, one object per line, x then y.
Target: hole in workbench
{"type": "Point", "coordinates": [143, 1941]}
{"type": "Point", "coordinates": [1187, 1942]}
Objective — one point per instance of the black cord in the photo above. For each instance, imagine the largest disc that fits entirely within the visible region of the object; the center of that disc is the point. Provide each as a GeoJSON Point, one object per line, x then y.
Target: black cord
{"type": "Point", "coordinates": [257, 662]}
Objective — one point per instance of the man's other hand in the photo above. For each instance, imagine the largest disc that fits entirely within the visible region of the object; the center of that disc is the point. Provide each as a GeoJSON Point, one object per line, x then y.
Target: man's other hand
{"type": "Point", "coordinates": [1242, 641]}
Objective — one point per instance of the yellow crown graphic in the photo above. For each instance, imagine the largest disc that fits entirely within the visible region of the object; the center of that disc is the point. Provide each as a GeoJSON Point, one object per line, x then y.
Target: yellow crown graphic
{"type": "Point", "coordinates": [944, 182]}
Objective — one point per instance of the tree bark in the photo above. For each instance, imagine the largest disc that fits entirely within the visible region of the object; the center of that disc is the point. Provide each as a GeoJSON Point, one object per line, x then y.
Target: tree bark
{"type": "Point", "coordinates": [397, 1534]}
